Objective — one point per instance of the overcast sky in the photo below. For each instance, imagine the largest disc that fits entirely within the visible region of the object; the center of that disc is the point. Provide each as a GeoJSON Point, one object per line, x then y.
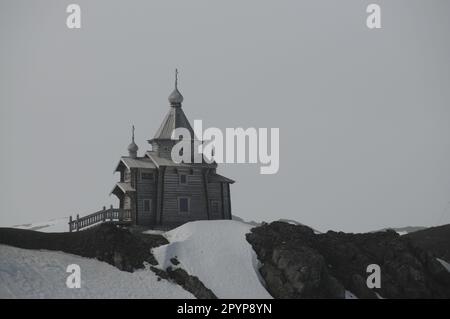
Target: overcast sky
{"type": "Point", "coordinates": [364, 115]}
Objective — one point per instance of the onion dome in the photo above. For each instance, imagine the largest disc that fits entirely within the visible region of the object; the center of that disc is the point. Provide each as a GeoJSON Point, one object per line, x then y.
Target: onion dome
{"type": "Point", "coordinates": [133, 148]}
{"type": "Point", "coordinates": [175, 98]}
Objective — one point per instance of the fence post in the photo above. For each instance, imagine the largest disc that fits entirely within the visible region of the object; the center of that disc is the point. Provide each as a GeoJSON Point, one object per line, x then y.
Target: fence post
{"type": "Point", "coordinates": [78, 225]}
{"type": "Point", "coordinates": [70, 223]}
{"type": "Point", "coordinates": [104, 213]}
{"type": "Point", "coordinates": [111, 212]}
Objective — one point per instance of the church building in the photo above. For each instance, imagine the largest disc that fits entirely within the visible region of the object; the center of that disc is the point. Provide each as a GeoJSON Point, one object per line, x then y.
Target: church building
{"type": "Point", "coordinates": [161, 193]}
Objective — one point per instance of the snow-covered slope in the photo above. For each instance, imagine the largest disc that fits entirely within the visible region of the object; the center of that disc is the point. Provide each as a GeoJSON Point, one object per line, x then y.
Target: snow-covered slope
{"type": "Point", "coordinates": [42, 274]}
{"type": "Point", "coordinates": [404, 230]}
{"type": "Point", "coordinates": [444, 263]}
{"type": "Point", "coordinates": [57, 225]}
{"type": "Point", "coordinates": [218, 254]}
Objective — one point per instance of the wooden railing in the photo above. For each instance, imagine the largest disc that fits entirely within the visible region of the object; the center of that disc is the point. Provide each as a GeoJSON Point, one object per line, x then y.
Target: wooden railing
{"type": "Point", "coordinates": [110, 214]}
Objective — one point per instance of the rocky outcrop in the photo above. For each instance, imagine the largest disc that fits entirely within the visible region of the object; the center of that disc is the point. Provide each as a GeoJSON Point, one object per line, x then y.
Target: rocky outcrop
{"type": "Point", "coordinates": [297, 263]}
{"type": "Point", "coordinates": [180, 276]}
{"type": "Point", "coordinates": [106, 242]}
{"type": "Point", "coordinates": [190, 283]}
{"type": "Point", "coordinates": [433, 239]}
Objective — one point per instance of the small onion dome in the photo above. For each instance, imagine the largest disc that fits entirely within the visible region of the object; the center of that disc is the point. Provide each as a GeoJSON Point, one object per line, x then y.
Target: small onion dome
{"type": "Point", "coordinates": [175, 97]}
{"type": "Point", "coordinates": [133, 148]}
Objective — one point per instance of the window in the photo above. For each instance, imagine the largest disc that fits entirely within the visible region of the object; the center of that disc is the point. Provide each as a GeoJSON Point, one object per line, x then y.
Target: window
{"type": "Point", "coordinates": [183, 179]}
{"type": "Point", "coordinates": [215, 207]}
{"type": "Point", "coordinates": [146, 176]}
{"type": "Point", "coordinates": [147, 205]}
{"type": "Point", "coordinates": [183, 205]}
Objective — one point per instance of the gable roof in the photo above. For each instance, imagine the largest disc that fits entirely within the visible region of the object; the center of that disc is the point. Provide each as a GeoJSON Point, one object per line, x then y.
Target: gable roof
{"type": "Point", "coordinates": [142, 162]}
{"type": "Point", "coordinates": [122, 186]}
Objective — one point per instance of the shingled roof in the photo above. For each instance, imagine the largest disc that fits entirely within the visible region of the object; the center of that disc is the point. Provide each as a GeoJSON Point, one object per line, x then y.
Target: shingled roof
{"type": "Point", "coordinates": [128, 162]}
{"type": "Point", "coordinates": [175, 118]}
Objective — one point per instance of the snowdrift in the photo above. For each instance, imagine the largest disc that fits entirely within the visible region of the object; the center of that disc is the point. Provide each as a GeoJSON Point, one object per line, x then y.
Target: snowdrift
{"type": "Point", "coordinates": [218, 253]}
{"type": "Point", "coordinates": [42, 274]}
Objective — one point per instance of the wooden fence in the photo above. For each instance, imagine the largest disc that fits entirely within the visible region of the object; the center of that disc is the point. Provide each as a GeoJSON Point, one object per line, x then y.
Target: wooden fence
{"type": "Point", "coordinates": [110, 214]}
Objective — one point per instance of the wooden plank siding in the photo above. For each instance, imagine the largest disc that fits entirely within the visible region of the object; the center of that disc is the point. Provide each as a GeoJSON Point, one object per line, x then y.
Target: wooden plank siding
{"type": "Point", "coordinates": [163, 149]}
{"type": "Point", "coordinates": [215, 194]}
{"type": "Point", "coordinates": [145, 190]}
{"type": "Point", "coordinates": [207, 199]}
{"type": "Point", "coordinates": [194, 190]}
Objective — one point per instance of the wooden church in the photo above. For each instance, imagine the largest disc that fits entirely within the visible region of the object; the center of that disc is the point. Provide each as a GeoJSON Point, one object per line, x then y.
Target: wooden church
{"type": "Point", "coordinates": [160, 193]}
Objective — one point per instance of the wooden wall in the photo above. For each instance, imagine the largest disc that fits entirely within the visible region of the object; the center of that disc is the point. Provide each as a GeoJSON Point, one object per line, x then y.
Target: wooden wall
{"type": "Point", "coordinates": [145, 189]}
{"type": "Point", "coordinates": [194, 190]}
{"type": "Point", "coordinates": [172, 190]}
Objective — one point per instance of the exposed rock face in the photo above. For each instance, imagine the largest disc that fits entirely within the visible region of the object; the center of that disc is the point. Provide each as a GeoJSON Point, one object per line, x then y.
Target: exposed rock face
{"type": "Point", "coordinates": [434, 239]}
{"type": "Point", "coordinates": [297, 263]}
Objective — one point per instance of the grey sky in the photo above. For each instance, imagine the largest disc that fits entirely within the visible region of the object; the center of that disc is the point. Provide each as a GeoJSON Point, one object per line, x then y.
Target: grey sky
{"type": "Point", "coordinates": [364, 115]}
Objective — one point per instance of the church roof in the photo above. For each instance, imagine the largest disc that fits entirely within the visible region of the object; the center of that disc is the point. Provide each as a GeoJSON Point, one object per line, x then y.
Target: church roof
{"type": "Point", "coordinates": [160, 161]}
{"type": "Point", "coordinates": [142, 162]}
{"type": "Point", "coordinates": [219, 178]}
{"type": "Point", "coordinates": [175, 118]}
{"type": "Point", "coordinates": [122, 186]}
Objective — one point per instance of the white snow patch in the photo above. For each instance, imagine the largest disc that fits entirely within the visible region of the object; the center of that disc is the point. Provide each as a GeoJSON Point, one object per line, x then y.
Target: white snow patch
{"type": "Point", "coordinates": [42, 274]}
{"type": "Point", "coordinates": [378, 295]}
{"type": "Point", "coordinates": [349, 295]}
{"type": "Point", "coordinates": [218, 253]}
{"type": "Point", "coordinates": [444, 263]}
{"type": "Point", "coordinates": [153, 232]}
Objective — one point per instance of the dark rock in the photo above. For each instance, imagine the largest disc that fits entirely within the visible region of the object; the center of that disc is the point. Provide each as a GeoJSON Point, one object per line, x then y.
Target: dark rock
{"type": "Point", "coordinates": [433, 239]}
{"type": "Point", "coordinates": [106, 242]}
{"type": "Point", "coordinates": [160, 273]}
{"type": "Point", "coordinates": [174, 261]}
{"type": "Point", "coordinates": [297, 263]}
{"type": "Point", "coordinates": [359, 288]}
{"type": "Point", "coordinates": [190, 283]}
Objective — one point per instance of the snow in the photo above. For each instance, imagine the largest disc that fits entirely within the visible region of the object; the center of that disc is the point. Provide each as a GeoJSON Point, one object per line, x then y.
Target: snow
{"type": "Point", "coordinates": [42, 274]}
{"type": "Point", "coordinates": [378, 295]}
{"type": "Point", "coordinates": [296, 223]}
{"type": "Point", "coordinates": [153, 232]}
{"type": "Point", "coordinates": [57, 225]}
{"type": "Point", "coordinates": [444, 263]}
{"type": "Point", "coordinates": [218, 254]}
{"type": "Point", "coordinates": [349, 295]}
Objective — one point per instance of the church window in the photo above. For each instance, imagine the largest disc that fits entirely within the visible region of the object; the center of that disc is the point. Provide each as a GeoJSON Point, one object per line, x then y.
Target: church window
{"type": "Point", "coordinates": [183, 179]}
{"type": "Point", "coordinates": [183, 204]}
